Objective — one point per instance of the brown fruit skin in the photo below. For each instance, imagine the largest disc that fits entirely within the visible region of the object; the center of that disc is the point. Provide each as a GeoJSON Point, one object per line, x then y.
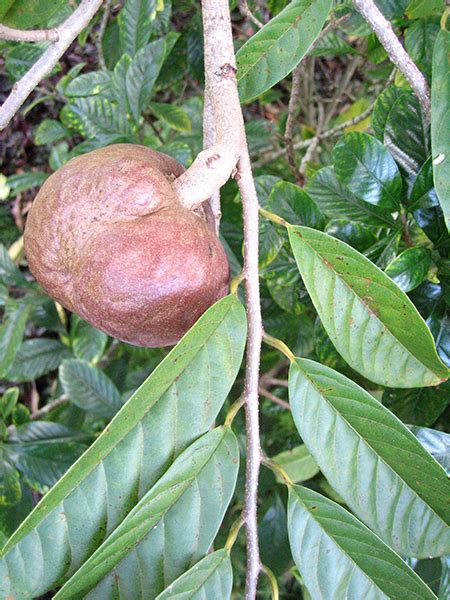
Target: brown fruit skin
{"type": "Point", "coordinates": [107, 238]}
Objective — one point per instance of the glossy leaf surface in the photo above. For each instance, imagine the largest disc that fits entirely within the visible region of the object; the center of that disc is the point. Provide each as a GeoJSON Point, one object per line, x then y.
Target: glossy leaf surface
{"type": "Point", "coordinates": [409, 269]}
{"type": "Point", "coordinates": [440, 121]}
{"type": "Point", "coordinates": [364, 165]}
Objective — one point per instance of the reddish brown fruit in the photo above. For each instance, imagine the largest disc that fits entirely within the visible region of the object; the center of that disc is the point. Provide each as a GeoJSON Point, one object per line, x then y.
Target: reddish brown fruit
{"type": "Point", "coordinates": [107, 238]}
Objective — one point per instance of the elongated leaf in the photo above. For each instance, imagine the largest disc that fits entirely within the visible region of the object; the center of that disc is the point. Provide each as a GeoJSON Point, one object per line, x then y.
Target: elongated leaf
{"type": "Point", "coordinates": [372, 460]}
{"type": "Point", "coordinates": [11, 334]}
{"type": "Point", "coordinates": [298, 464]}
{"type": "Point", "coordinates": [156, 533]}
{"type": "Point", "coordinates": [212, 577]}
{"type": "Point", "coordinates": [406, 134]}
{"type": "Point", "coordinates": [24, 14]}
{"type": "Point", "coordinates": [419, 42]}
{"type": "Point", "coordinates": [141, 76]}
{"type": "Point", "coordinates": [89, 388]}
{"type": "Point", "coordinates": [135, 23]}
{"type": "Point", "coordinates": [43, 451]}
{"type": "Point", "coordinates": [437, 443]}
{"type": "Point", "coordinates": [371, 322]}
{"type": "Point", "coordinates": [90, 84]}
{"type": "Point", "coordinates": [175, 116]}
{"type": "Point", "coordinates": [37, 357]}
{"type": "Point", "coordinates": [9, 273]}
{"type": "Point", "coordinates": [171, 409]}
{"type": "Point", "coordinates": [50, 131]}
{"type": "Point", "coordinates": [273, 538]}
{"type": "Point", "coordinates": [98, 118]}
{"type": "Point", "coordinates": [410, 268]}
{"type": "Point", "coordinates": [424, 8]}
{"type": "Point", "coordinates": [440, 121]}
{"type": "Point", "coordinates": [295, 205]}
{"type": "Point", "coordinates": [88, 343]}
{"type": "Point", "coordinates": [338, 557]}
{"type": "Point", "coordinates": [279, 46]}
{"type": "Point", "coordinates": [364, 165]}
{"type": "Point", "coordinates": [338, 202]}
{"type": "Point", "coordinates": [419, 406]}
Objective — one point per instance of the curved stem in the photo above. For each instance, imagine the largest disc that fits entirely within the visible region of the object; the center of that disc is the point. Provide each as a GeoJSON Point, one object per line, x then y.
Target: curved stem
{"type": "Point", "coordinates": [397, 54]}
{"type": "Point", "coordinates": [67, 32]}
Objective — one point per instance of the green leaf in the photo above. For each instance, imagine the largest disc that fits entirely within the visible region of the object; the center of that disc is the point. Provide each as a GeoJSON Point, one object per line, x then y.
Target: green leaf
{"type": "Point", "coordinates": [10, 488]}
{"type": "Point", "coordinates": [11, 334]}
{"type": "Point", "coordinates": [338, 557]}
{"type": "Point", "coordinates": [371, 322]}
{"type": "Point", "coordinates": [97, 118]}
{"type": "Point", "coordinates": [294, 205]}
{"type": "Point", "coordinates": [24, 14]}
{"type": "Point", "coordinates": [437, 443]}
{"type": "Point", "coordinates": [22, 57]}
{"type": "Point", "coordinates": [170, 410]}
{"type": "Point", "coordinates": [49, 131]}
{"type": "Point", "coordinates": [382, 108]}
{"type": "Point", "coordinates": [142, 74]}
{"type": "Point", "coordinates": [156, 532]}
{"type": "Point", "coordinates": [331, 44]}
{"type": "Point", "coordinates": [59, 155]}
{"type": "Point", "coordinates": [298, 464]}
{"type": "Point", "coordinates": [42, 452]}
{"type": "Point", "coordinates": [374, 462]}
{"type": "Point", "coordinates": [419, 42]}
{"type": "Point", "coordinates": [440, 128]}
{"type": "Point", "coordinates": [422, 406]}
{"type": "Point", "coordinates": [273, 538]}
{"type": "Point", "coordinates": [356, 235]}
{"type": "Point", "coordinates": [284, 283]}
{"type": "Point", "coordinates": [8, 402]}
{"type": "Point", "coordinates": [410, 268]}
{"type": "Point", "coordinates": [89, 388]}
{"type": "Point", "coordinates": [418, 9]}
{"type": "Point", "coordinates": [338, 202]}
{"type": "Point", "coordinates": [272, 53]}
{"type": "Point", "coordinates": [424, 205]}
{"type": "Point", "coordinates": [10, 274]}
{"type": "Point", "coordinates": [88, 343]}
{"type": "Point", "coordinates": [25, 181]}
{"type": "Point", "coordinates": [406, 134]}
{"type": "Point", "coordinates": [175, 116]}
{"type": "Point", "coordinates": [35, 358]}
{"type": "Point", "coordinates": [212, 577]}
{"type": "Point", "coordinates": [90, 84]}
{"type": "Point", "coordinates": [135, 23]}
{"type": "Point", "coordinates": [364, 165]}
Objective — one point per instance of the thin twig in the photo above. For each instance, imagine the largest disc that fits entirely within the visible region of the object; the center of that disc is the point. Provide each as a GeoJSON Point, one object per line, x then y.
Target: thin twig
{"type": "Point", "coordinates": [266, 394]}
{"type": "Point", "coordinates": [246, 12]}
{"type": "Point", "coordinates": [101, 33]}
{"type": "Point", "coordinates": [255, 331]}
{"type": "Point", "coordinates": [302, 144]}
{"type": "Point", "coordinates": [42, 412]}
{"type": "Point", "coordinates": [292, 109]}
{"type": "Point", "coordinates": [33, 35]}
{"type": "Point", "coordinates": [397, 54]}
{"type": "Point", "coordinates": [67, 32]}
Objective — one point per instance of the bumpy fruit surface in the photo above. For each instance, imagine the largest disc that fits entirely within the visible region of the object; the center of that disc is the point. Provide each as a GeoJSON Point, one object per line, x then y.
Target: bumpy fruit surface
{"type": "Point", "coordinates": [107, 238]}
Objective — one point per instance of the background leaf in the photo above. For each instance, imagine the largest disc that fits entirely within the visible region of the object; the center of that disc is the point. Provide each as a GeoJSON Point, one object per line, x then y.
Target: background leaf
{"type": "Point", "coordinates": [440, 128]}
{"type": "Point", "coordinates": [365, 166]}
{"type": "Point", "coordinates": [279, 46]}
{"type": "Point", "coordinates": [410, 268]}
